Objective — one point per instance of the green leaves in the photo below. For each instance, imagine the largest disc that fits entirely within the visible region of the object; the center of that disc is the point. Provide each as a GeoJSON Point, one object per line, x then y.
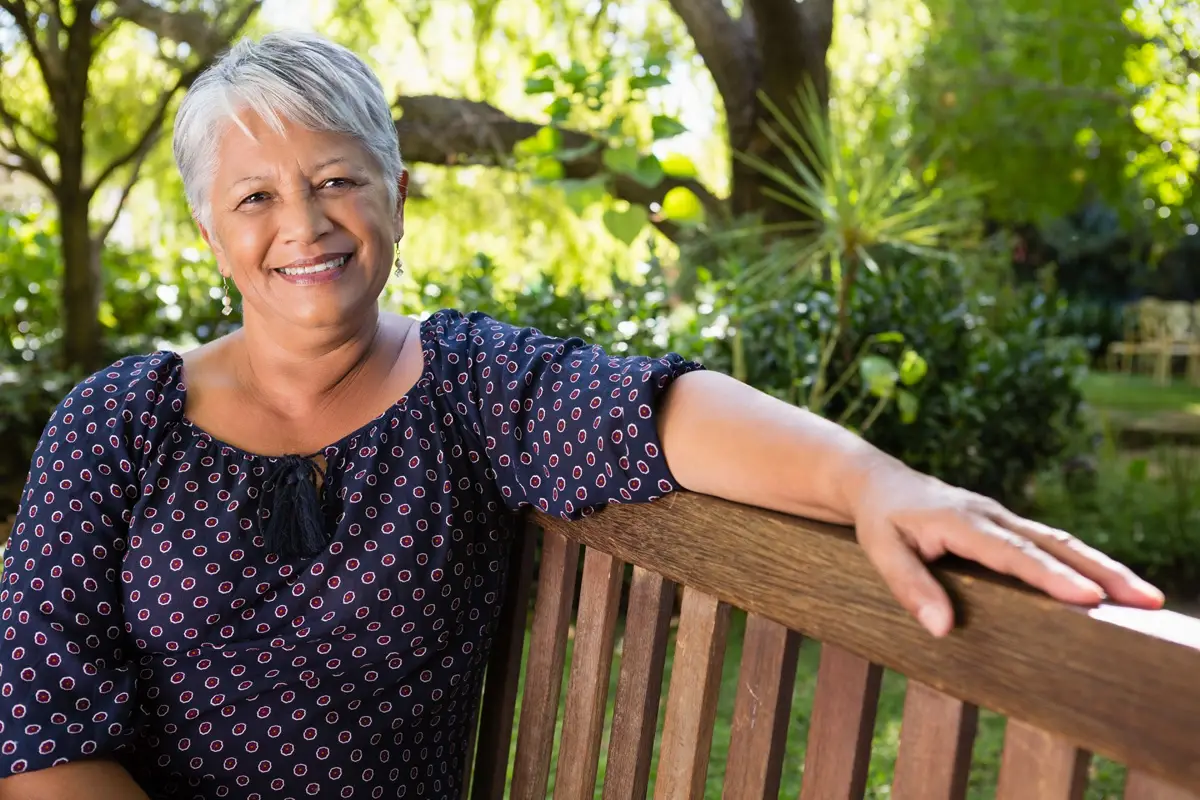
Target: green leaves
{"type": "Point", "coordinates": [626, 160]}
{"type": "Point", "coordinates": [681, 205]}
{"type": "Point", "coordinates": [879, 375]}
{"type": "Point", "coordinates": [665, 127]}
{"type": "Point", "coordinates": [626, 225]}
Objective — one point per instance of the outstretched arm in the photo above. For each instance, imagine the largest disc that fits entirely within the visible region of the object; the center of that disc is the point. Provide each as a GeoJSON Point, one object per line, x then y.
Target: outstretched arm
{"type": "Point", "coordinates": [724, 438]}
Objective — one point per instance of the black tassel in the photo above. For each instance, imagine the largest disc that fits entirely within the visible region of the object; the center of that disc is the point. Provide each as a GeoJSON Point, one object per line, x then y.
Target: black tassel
{"type": "Point", "coordinates": [294, 524]}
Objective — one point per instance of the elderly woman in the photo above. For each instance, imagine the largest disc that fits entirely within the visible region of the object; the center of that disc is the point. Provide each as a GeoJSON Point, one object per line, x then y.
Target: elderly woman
{"type": "Point", "coordinates": [270, 566]}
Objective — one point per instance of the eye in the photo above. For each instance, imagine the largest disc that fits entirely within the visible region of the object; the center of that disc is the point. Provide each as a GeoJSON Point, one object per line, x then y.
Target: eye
{"type": "Point", "coordinates": [337, 183]}
{"type": "Point", "coordinates": [253, 199]}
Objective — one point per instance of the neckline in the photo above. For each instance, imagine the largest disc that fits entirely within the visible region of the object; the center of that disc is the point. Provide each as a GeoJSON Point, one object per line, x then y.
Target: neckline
{"type": "Point", "coordinates": [427, 329]}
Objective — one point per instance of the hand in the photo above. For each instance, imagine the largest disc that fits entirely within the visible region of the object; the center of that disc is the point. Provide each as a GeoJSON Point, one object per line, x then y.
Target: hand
{"type": "Point", "coordinates": [904, 518]}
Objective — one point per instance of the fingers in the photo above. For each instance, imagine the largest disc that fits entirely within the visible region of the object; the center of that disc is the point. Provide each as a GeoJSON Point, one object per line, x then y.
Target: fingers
{"type": "Point", "coordinates": [1117, 580]}
{"type": "Point", "coordinates": [908, 579]}
{"type": "Point", "coordinates": [980, 539]}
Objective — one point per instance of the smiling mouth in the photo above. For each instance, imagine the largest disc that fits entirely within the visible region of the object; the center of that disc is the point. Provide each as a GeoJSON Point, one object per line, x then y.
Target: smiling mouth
{"type": "Point", "coordinates": [316, 269]}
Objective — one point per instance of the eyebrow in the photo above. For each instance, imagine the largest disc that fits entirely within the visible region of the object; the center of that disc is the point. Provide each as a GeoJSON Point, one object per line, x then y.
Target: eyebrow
{"type": "Point", "coordinates": [317, 168]}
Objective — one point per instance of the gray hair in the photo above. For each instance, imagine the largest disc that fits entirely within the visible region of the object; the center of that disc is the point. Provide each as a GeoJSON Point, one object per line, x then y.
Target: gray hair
{"type": "Point", "coordinates": [301, 77]}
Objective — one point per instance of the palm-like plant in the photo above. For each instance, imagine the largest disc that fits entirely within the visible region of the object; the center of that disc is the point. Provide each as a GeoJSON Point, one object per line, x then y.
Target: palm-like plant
{"type": "Point", "coordinates": [853, 205]}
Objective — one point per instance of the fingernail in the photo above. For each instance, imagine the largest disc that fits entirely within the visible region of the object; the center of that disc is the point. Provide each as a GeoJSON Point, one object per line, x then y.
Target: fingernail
{"type": "Point", "coordinates": [934, 619]}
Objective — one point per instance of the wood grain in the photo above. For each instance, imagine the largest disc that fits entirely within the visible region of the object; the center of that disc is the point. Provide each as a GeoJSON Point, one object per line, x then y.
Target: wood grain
{"type": "Point", "coordinates": [1006, 654]}
{"type": "Point", "coordinates": [843, 721]}
{"type": "Point", "coordinates": [544, 666]}
{"type": "Point", "coordinates": [1038, 765]}
{"type": "Point", "coordinates": [490, 773]}
{"type": "Point", "coordinates": [692, 698]}
{"type": "Point", "coordinates": [1140, 786]}
{"type": "Point", "coordinates": [639, 687]}
{"type": "Point", "coordinates": [761, 710]}
{"type": "Point", "coordinates": [936, 738]}
{"type": "Point", "coordinates": [587, 688]}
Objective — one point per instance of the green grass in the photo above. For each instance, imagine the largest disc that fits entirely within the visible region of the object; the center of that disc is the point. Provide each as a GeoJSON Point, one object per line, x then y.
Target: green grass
{"type": "Point", "coordinates": [1139, 393]}
{"type": "Point", "coordinates": [1107, 777]}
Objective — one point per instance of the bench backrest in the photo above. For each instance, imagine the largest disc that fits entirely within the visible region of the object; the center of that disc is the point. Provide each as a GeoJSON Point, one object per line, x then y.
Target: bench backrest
{"type": "Point", "coordinates": [1116, 682]}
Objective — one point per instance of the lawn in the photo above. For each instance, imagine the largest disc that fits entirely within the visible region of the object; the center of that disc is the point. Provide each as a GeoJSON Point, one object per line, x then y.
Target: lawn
{"type": "Point", "coordinates": [1107, 778]}
{"type": "Point", "coordinates": [1139, 393]}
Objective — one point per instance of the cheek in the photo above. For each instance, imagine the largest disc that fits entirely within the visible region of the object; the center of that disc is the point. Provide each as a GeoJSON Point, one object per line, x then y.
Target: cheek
{"type": "Point", "coordinates": [245, 244]}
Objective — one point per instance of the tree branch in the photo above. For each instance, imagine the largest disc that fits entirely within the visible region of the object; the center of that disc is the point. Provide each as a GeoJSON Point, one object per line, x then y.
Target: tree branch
{"type": "Point", "coordinates": [26, 162]}
{"type": "Point", "coordinates": [453, 132]}
{"type": "Point", "coordinates": [106, 229]}
{"type": "Point", "coordinates": [149, 134]}
{"type": "Point", "coordinates": [727, 46]}
{"type": "Point", "coordinates": [793, 39]}
{"type": "Point", "coordinates": [47, 62]}
{"type": "Point", "coordinates": [194, 28]}
{"type": "Point", "coordinates": [15, 123]}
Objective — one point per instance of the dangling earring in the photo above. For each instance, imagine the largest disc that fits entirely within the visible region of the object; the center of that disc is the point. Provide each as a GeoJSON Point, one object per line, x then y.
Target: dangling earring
{"type": "Point", "coordinates": [397, 261]}
{"type": "Point", "coordinates": [226, 303]}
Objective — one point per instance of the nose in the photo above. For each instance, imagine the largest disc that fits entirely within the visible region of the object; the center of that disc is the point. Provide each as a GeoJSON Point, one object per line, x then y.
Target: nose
{"type": "Point", "coordinates": [303, 219]}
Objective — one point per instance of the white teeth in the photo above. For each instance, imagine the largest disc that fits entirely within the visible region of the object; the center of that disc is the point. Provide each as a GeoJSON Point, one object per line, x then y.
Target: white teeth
{"type": "Point", "coordinates": [328, 265]}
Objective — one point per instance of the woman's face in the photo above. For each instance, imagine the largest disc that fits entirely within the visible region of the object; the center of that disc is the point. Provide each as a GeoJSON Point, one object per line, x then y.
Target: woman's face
{"type": "Point", "coordinates": [302, 224]}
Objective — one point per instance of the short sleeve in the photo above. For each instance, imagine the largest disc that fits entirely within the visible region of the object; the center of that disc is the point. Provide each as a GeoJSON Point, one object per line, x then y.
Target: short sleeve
{"type": "Point", "coordinates": [66, 671]}
{"type": "Point", "coordinates": [566, 426]}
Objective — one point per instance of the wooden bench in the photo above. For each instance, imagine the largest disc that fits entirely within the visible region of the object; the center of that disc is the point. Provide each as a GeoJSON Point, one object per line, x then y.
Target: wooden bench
{"type": "Point", "coordinates": [1120, 683]}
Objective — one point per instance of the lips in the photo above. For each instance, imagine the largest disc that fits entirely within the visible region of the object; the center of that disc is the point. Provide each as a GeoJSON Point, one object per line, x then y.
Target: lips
{"type": "Point", "coordinates": [312, 271]}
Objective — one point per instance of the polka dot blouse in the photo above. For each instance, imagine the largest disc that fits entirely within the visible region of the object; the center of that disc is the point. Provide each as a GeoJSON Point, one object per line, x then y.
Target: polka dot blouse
{"type": "Point", "coordinates": [144, 620]}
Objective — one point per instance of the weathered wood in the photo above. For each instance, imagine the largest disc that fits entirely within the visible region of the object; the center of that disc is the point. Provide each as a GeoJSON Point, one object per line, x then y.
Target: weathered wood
{"type": "Point", "coordinates": [692, 698]}
{"type": "Point", "coordinates": [587, 689]}
{"type": "Point", "coordinates": [843, 721]}
{"type": "Point", "coordinates": [936, 738]}
{"type": "Point", "coordinates": [1038, 765]}
{"type": "Point", "coordinates": [761, 710]}
{"type": "Point", "coordinates": [1140, 786]}
{"type": "Point", "coordinates": [490, 772]}
{"type": "Point", "coordinates": [639, 687]}
{"type": "Point", "coordinates": [544, 666]}
{"type": "Point", "coordinates": [1006, 653]}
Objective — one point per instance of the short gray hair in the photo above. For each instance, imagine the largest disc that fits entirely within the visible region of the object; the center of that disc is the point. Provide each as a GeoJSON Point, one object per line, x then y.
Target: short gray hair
{"type": "Point", "coordinates": [301, 77]}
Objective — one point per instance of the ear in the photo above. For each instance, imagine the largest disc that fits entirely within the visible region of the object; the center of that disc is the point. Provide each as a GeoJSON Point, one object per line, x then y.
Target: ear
{"type": "Point", "coordinates": [213, 245]}
{"type": "Point", "coordinates": [401, 196]}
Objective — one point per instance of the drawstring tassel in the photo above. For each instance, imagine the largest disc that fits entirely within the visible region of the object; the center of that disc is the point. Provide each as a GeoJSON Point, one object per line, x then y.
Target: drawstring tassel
{"type": "Point", "coordinates": [294, 524]}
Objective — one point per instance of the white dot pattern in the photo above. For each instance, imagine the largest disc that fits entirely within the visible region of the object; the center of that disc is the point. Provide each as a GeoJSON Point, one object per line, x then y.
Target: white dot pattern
{"type": "Point", "coordinates": [143, 620]}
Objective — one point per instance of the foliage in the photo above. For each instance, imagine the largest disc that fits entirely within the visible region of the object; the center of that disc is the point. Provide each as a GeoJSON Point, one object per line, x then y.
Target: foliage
{"type": "Point", "coordinates": [1057, 103]}
{"type": "Point", "coordinates": [1142, 509]}
{"type": "Point", "coordinates": [154, 299]}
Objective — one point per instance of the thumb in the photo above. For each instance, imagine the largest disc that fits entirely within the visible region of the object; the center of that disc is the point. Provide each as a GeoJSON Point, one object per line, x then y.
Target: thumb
{"type": "Point", "coordinates": [908, 578]}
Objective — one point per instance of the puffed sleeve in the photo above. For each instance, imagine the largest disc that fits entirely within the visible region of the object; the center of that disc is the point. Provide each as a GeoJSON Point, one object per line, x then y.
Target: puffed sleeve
{"type": "Point", "coordinates": [65, 663]}
{"type": "Point", "coordinates": [566, 426]}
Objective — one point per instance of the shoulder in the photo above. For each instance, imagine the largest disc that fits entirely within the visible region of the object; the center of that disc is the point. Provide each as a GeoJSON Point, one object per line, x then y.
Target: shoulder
{"type": "Point", "coordinates": [127, 399]}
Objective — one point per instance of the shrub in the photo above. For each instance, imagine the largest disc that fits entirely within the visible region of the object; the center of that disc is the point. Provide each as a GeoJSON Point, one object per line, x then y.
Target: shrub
{"type": "Point", "coordinates": [1142, 509]}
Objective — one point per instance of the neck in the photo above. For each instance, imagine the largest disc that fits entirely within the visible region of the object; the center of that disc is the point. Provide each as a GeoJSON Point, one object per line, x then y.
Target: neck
{"type": "Point", "coordinates": [295, 374]}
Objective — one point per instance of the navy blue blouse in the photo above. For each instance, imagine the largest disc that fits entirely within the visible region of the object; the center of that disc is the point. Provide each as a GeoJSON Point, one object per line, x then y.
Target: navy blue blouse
{"type": "Point", "coordinates": [144, 620]}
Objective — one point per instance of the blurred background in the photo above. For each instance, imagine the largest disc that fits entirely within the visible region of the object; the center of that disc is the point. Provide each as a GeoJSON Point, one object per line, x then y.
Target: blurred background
{"type": "Point", "coordinates": [967, 230]}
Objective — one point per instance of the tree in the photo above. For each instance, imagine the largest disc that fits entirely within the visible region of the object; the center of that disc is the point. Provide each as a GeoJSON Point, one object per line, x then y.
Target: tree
{"type": "Point", "coordinates": [86, 143]}
{"type": "Point", "coordinates": [770, 49]}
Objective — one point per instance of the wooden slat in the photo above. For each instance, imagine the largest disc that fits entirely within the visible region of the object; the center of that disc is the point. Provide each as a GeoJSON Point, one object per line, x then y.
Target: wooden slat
{"type": "Point", "coordinates": [490, 774]}
{"type": "Point", "coordinates": [1038, 765]}
{"type": "Point", "coordinates": [639, 687]}
{"type": "Point", "coordinates": [692, 698]}
{"type": "Point", "coordinates": [544, 666]}
{"type": "Point", "coordinates": [761, 711]}
{"type": "Point", "coordinates": [936, 738]}
{"type": "Point", "coordinates": [1006, 653]}
{"type": "Point", "coordinates": [587, 689]}
{"type": "Point", "coordinates": [843, 721]}
{"type": "Point", "coordinates": [1140, 786]}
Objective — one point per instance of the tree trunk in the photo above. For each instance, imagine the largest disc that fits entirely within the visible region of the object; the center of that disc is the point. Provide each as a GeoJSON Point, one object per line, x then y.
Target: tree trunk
{"type": "Point", "coordinates": [81, 285]}
{"type": "Point", "coordinates": [793, 42]}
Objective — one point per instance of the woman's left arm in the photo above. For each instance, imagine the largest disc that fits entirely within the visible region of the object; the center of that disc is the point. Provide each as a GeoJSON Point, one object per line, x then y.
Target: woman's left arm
{"type": "Point", "coordinates": [726, 439]}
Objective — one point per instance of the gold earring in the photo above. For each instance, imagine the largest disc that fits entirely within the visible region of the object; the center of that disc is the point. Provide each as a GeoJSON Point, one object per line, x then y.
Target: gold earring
{"type": "Point", "coordinates": [397, 261]}
{"type": "Point", "coordinates": [226, 303]}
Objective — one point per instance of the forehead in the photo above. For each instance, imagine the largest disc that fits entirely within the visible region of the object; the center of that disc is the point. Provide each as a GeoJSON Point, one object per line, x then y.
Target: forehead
{"type": "Point", "coordinates": [257, 149]}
